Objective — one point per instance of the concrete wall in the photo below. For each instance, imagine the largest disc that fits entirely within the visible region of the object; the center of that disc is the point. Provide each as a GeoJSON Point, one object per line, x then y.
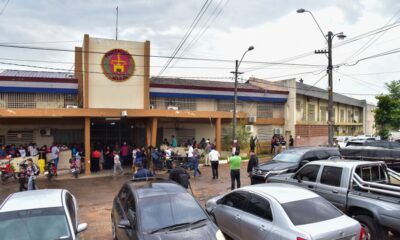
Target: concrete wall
{"type": "Point", "coordinates": [369, 120]}
{"type": "Point", "coordinates": [105, 93]}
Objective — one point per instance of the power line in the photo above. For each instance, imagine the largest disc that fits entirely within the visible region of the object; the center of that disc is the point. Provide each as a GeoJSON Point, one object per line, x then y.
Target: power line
{"type": "Point", "coordinates": [308, 89]}
{"type": "Point", "coordinates": [187, 34]}
{"type": "Point", "coordinates": [159, 56]}
{"type": "Point", "coordinates": [393, 51]}
{"type": "Point", "coordinates": [4, 7]}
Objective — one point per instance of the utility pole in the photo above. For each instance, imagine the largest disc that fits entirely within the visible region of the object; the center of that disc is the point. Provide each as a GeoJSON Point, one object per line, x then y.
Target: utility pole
{"type": "Point", "coordinates": [116, 26]}
{"type": "Point", "coordinates": [331, 118]}
{"type": "Point", "coordinates": [235, 100]}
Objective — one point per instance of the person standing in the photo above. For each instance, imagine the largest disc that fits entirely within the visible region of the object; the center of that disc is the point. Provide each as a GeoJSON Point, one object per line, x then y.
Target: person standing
{"type": "Point", "coordinates": [190, 154]}
{"type": "Point", "coordinates": [196, 159]}
{"type": "Point", "coordinates": [214, 159]}
{"type": "Point", "coordinates": [253, 162]}
{"type": "Point", "coordinates": [32, 170]}
{"type": "Point", "coordinates": [207, 150]}
{"type": "Point", "coordinates": [174, 143]}
{"type": "Point", "coordinates": [253, 143]}
{"type": "Point", "coordinates": [22, 151]}
{"type": "Point", "coordinates": [234, 165]}
{"type": "Point", "coordinates": [124, 153]}
{"type": "Point", "coordinates": [95, 166]}
{"type": "Point", "coordinates": [282, 142]}
{"type": "Point", "coordinates": [117, 164]}
{"type": "Point", "coordinates": [55, 153]}
{"type": "Point", "coordinates": [234, 146]}
{"type": "Point", "coordinates": [291, 141]}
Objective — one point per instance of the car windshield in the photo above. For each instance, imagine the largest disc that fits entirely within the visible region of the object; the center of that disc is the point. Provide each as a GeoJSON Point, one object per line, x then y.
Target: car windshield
{"type": "Point", "coordinates": [289, 157]}
{"type": "Point", "coordinates": [310, 210]}
{"type": "Point", "coordinates": [35, 224]}
{"type": "Point", "coordinates": [170, 210]}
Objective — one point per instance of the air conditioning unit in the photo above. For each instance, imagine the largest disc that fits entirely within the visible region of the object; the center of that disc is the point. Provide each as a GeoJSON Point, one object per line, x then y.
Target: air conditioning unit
{"type": "Point", "coordinates": [45, 132]}
{"type": "Point", "coordinates": [249, 128]}
{"type": "Point", "coordinates": [252, 119]}
{"type": "Point", "coordinates": [71, 106]}
{"type": "Point", "coordinates": [278, 131]}
{"type": "Point", "coordinates": [172, 108]}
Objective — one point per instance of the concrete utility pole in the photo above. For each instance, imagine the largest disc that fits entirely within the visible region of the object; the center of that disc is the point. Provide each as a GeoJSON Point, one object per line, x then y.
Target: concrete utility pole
{"type": "Point", "coordinates": [329, 70]}
{"type": "Point", "coordinates": [236, 72]}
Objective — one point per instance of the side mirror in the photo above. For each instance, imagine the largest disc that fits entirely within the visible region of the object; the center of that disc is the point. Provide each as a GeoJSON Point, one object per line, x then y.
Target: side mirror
{"type": "Point", "coordinates": [124, 223]}
{"type": "Point", "coordinates": [81, 227]}
{"type": "Point", "coordinates": [220, 201]}
{"type": "Point", "coordinates": [298, 177]}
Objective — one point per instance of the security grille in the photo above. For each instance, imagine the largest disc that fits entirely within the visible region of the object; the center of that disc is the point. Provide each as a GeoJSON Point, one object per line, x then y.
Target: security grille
{"type": "Point", "coordinates": [181, 103]}
{"type": "Point", "coordinates": [342, 115]}
{"type": "Point", "coordinates": [311, 112]}
{"type": "Point", "coordinates": [20, 137]}
{"type": "Point", "coordinates": [37, 100]}
{"type": "Point", "coordinates": [324, 113]}
{"type": "Point", "coordinates": [17, 100]}
{"type": "Point", "coordinates": [265, 110]}
{"type": "Point", "coordinates": [182, 135]}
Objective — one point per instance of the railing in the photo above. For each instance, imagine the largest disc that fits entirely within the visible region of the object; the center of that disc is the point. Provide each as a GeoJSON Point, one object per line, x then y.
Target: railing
{"type": "Point", "coordinates": [394, 174]}
{"type": "Point", "coordinates": [376, 187]}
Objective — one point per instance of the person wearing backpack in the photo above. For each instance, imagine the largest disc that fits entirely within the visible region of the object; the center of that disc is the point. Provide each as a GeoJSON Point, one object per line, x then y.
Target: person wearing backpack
{"type": "Point", "coordinates": [179, 175]}
{"type": "Point", "coordinates": [32, 171]}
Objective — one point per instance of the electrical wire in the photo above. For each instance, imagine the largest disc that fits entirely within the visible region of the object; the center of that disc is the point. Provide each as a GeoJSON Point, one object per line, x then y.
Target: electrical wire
{"type": "Point", "coordinates": [4, 7]}
{"type": "Point", "coordinates": [389, 52]}
{"type": "Point", "coordinates": [187, 34]}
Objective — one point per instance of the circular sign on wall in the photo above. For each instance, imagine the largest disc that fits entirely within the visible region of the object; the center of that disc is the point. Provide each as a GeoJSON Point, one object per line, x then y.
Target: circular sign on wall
{"type": "Point", "coordinates": [118, 65]}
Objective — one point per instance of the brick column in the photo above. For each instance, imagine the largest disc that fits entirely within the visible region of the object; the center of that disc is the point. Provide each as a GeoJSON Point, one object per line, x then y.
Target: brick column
{"type": "Point", "coordinates": [87, 146]}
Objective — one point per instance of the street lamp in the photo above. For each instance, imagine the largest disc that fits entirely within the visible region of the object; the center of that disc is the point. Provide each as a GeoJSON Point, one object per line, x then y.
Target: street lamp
{"type": "Point", "coordinates": [236, 72]}
{"type": "Point", "coordinates": [329, 37]}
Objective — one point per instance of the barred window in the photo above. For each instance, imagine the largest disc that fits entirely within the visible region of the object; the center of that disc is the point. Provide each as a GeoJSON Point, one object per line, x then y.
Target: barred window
{"type": "Point", "coordinates": [265, 110]}
{"type": "Point", "coordinates": [341, 115]}
{"type": "Point", "coordinates": [70, 100]}
{"type": "Point", "coordinates": [3, 100]}
{"type": "Point", "coordinates": [181, 103]}
{"type": "Point", "coordinates": [311, 112]}
{"type": "Point", "coordinates": [21, 100]}
{"type": "Point", "coordinates": [324, 113]}
{"type": "Point", "coordinates": [349, 116]}
{"type": "Point", "coordinates": [227, 105]}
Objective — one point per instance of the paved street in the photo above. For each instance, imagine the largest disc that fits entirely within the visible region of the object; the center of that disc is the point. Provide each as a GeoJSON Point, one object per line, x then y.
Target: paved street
{"type": "Point", "coordinates": [95, 194]}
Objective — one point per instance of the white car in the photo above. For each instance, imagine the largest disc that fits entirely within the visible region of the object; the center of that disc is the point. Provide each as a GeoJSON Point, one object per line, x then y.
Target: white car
{"type": "Point", "coordinates": [40, 214]}
{"type": "Point", "coordinates": [280, 211]}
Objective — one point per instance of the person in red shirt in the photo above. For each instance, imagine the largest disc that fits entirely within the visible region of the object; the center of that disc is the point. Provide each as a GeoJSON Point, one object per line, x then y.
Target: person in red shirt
{"type": "Point", "coordinates": [95, 166]}
{"type": "Point", "coordinates": [124, 154]}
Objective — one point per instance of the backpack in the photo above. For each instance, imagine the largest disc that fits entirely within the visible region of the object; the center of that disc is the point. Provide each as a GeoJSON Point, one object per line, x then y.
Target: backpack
{"type": "Point", "coordinates": [184, 180]}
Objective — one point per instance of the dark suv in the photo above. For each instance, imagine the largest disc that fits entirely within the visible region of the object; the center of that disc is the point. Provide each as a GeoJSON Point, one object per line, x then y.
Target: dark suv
{"type": "Point", "coordinates": [159, 209]}
{"type": "Point", "coordinates": [290, 161]}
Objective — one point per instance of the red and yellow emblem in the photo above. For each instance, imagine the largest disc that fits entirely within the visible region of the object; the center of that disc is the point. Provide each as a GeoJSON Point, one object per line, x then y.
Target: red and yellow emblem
{"type": "Point", "coordinates": [118, 65]}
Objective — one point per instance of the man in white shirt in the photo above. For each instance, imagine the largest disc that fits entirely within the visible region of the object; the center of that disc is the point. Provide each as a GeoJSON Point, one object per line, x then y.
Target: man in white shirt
{"type": "Point", "coordinates": [214, 156]}
{"type": "Point", "coordinates": [55, 151]}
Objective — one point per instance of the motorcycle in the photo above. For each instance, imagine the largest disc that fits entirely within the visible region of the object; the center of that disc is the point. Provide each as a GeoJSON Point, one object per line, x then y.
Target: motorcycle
{"type": "Point", "coordinates": [50, 170]}
{"type": "Point", "coordinates": [7, 171]}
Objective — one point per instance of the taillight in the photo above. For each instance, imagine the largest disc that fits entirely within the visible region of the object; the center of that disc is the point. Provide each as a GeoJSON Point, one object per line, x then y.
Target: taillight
{"type": "Point", "coordinates": [362, 234]}
{"type": "Point", "coordinates": [300, 238]}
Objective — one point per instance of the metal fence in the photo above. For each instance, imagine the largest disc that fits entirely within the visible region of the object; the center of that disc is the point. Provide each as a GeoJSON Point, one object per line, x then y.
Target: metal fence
{"type": "Point", "coordinates": [38, 100]}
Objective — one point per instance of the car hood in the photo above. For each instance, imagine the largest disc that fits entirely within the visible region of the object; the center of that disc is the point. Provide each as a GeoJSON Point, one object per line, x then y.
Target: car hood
{"type": "Point", "coordinates": [273, 166]}
{"type": "Point", "coordinates": [336, 228]}
{"type": "Point", "coordinates": [206, 232]}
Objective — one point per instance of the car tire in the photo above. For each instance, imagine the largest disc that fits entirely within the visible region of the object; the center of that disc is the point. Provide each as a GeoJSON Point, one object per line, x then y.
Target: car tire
{"type": "Point", "coordinates": [372, 229]}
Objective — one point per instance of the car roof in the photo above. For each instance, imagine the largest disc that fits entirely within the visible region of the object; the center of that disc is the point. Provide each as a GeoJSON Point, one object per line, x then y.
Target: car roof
{"type": "Point", "coordinates": [46, 198]}
{"type": "Point", "coordinates": [283, 193]}
{"type": "Point", "coordinates": [302, 150]}
{"type": "Point", "coordinates": [153, 187]}
{"type": "Point", "coordinates": [345, 163]}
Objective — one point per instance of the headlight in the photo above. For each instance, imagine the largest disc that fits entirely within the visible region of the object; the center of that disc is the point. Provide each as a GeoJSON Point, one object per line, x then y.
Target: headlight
{"type": "Point", "coordinates": [219, 235]}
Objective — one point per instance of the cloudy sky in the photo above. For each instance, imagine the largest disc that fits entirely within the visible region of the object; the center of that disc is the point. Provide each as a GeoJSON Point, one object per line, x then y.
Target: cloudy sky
{"type": "Point", "coordinates": [224, 31]}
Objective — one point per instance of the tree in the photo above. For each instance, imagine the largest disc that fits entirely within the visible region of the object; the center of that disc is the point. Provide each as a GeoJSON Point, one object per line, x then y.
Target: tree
{"type": "Point", "coordinates": [241, 135]}
{"type": "Point", "coordinates": [387, 113]}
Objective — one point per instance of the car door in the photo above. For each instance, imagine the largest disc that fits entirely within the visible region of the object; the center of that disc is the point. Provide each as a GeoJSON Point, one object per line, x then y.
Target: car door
{"type": "Point", "coordinates": [257, 221]}
{"type": "Point", "coordinates": [72, 212]}
{"type": "Point", "coordinates": [329, 186]}
{"type": "Point", "coordinates": [229, 213]}
{"type": "Point", "coordinates": [130, 205]}
{"type": "Point", "coordinates": [307, 176]}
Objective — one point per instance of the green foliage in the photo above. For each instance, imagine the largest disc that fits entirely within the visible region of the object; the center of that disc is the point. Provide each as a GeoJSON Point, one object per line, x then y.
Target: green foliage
{"type": "Point", "coordinates": [241, 135]}
{"type": "Point", "coordinates": [387, 113]}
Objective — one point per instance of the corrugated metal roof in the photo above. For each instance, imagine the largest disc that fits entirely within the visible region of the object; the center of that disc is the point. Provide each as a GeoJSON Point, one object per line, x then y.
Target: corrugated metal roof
{"type": "Point", "coordinates": [36, 74]}
{"type": "Point", "coordinates": [308, 90]}
{"type": "Point", "coordinates": [202, 83]}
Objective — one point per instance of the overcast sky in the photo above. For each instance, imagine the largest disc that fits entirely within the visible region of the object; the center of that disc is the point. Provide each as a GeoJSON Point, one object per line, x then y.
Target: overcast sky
{"type": "Point", "coordinates": [228, 28]}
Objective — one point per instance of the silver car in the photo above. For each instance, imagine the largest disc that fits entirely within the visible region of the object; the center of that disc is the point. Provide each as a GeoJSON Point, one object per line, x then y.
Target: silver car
{"type": "Point", "coordinates": [280, 211]}
{"type": "Point", "coordinates": [40, 214]}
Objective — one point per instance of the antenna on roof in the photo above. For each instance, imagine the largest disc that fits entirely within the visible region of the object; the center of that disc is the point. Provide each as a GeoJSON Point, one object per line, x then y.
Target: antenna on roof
{"type": "Point", "coordinates": [116, 26]}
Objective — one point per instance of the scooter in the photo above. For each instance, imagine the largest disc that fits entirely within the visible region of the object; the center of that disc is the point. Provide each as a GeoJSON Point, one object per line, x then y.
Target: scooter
{"type": "Point", "coordinates": [51, 170]}
{"type": "Point", "coordinates": [75, 169]}
{"type": "Point", "coordinates": [6, 171]}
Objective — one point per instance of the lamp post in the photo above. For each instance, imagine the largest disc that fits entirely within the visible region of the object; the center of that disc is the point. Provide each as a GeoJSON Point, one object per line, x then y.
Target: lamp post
{"type": "Point", "coordinates": [329, 37]}
{"type": "Point", "coordinates": [236, 72]}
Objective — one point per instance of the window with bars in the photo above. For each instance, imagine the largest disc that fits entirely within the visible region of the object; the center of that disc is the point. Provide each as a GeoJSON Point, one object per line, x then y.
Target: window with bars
{"type": "Point", "coordinates": [311, 112]}
{"type": "Point", "coordinates": [342, 115]}
{"type": "Point", "coordinates": [181, 103]}
{"type": "Point", "coordinates": [265, 110]}
{"type": "Point", "coordinates": [227, 105]}
{"type": "Point", "coordinates": [324, 113]}
{"type": "Point", "coordinates": [18, 100]}
{"type": "Point", "coordinates": [349, 116]}
{"type": "Point", "coordinates": [3, 100]}
{"type": "Point", "coordinates": [278, 110]}
{"type": "Point", "coordinates": [70, 100]}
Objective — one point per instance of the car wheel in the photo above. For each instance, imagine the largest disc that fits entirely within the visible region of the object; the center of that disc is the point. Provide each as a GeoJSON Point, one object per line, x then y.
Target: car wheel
{"type": "Point", "coordinates": [373, 230]}
{"type": "Point", "coordinates": [113, 232]}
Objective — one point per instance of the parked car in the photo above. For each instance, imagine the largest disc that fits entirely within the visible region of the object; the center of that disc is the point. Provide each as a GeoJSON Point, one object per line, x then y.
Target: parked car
{"type": "Point", "coordinates": [342, 140]}
{"type": "Point", "coordinates": [159, 209]}
{"type": "Point", "coordinates": [280, 211]}
{"type": "Point", "coordinates": [40, 214]}
{"type": "Point", "coordinates": [290, 161]}
{"type": "Point", "coordinates": [362, 189]}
